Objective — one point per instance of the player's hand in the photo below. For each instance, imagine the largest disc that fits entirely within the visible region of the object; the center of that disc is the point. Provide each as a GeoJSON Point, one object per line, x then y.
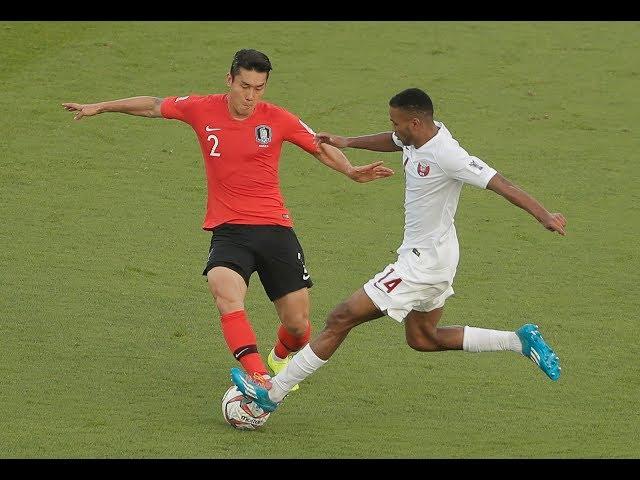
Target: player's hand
{"type": "Point", "coordinates": [366, 173]}
{"type": "Point", "coordinates": [335, 140]}
{"type": "Point", "coordinates": [554, 222]}
{"type": "Point", "coordinates": [81, 110]}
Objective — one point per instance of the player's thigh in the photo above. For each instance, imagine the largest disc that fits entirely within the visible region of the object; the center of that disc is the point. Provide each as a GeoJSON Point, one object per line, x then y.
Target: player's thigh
{"type": "Point", "coordinates": [226, 285]}
{"type": "Point", "coordinates": [397, 291]}
{"type": "Point", "coordinates": [357, 309]}
{"type": "Point", "coordinates": [230, 247]}
{"type": "Point", "coordinates": [280, 262]}
{"type": "Point", "coordinates": [229, 266]}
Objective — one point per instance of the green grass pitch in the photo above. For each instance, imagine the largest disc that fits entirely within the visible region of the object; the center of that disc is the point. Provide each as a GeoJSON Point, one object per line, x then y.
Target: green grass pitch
{"type": "Point", "coordinates": [111, 345]}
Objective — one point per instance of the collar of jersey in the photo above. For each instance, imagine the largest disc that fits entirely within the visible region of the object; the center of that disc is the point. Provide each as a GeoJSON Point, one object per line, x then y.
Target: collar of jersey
{"type": "Point", "coordinates": [433, 139]}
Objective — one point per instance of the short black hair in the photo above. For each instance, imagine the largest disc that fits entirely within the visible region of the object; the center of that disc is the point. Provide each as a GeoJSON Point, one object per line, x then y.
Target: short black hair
{"type": "Point", "coordinates": [250, 59]}
{"type": "Point", "coordinates": [413, 100]}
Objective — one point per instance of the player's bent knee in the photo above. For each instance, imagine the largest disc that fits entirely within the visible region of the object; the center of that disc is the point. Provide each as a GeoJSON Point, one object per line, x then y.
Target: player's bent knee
{"type": "Point", "coordinates": [341, 318]}
{"type": "Point", "coordinates": [298, 327]}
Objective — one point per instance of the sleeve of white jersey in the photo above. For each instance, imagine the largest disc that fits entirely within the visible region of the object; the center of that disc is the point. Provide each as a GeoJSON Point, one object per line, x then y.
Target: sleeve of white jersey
{"type": "Point", "coordinates": [396, 140]}
{"type": "Point", "coordinates": [458, 164]}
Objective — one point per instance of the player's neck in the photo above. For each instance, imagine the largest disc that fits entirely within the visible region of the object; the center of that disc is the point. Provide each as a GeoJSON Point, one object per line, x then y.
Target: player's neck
{"type": "Point", "coordinates": [429, 132]}
{"type": "Point", "coordinates": [238, 116]}
{"type": "Point", "coordinates": [235, 114]}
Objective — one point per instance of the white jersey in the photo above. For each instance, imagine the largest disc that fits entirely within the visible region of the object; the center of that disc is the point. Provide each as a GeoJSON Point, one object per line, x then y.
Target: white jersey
{"type": "Point", "coordinates": [434, 175]}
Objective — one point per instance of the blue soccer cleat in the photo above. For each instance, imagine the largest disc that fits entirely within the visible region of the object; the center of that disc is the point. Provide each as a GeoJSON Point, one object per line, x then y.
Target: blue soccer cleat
{"type": "Point", "coordinates": [534, 347]}
{"type": "Point", "coordinates": [255, 387]}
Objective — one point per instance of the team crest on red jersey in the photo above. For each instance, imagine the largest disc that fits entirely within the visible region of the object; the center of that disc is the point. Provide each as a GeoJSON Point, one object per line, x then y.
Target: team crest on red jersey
{"type": "Point", "coordinates": [263, 134]}
{"type": "Point", "coordinates": [423, 170]}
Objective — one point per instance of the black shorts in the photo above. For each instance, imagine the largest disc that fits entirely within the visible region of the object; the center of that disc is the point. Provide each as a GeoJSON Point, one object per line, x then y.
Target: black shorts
{"type": "Point", "coordinates": [272, 250]}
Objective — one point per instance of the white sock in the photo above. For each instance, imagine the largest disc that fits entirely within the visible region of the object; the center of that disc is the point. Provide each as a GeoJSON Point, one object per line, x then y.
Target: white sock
{"type": "Point", "coordinates": [484, 340]}
{"type": "Point", "coordinates": [303, 364]}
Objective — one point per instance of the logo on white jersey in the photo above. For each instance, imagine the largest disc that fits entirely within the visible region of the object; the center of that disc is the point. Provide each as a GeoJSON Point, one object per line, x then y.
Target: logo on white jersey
{"type": "Point", "coordinates": [181, 98]}
{"type": "Point", "coordinates": [263, 134]}
{"type": "Point", "coordinates": [423, 169]}
{"type": "Point", "coordinates": [475, 167]}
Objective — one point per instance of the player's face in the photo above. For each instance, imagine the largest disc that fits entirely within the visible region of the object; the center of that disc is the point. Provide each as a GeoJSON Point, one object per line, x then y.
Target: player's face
{"type": "Point", "coordinates": [402, 125]}
{"type": "Point", "coordinates": [246, 90]}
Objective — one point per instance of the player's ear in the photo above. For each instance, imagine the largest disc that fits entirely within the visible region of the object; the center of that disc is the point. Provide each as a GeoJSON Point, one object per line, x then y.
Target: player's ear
{"type": "Point", "coordinates": [229, 80]}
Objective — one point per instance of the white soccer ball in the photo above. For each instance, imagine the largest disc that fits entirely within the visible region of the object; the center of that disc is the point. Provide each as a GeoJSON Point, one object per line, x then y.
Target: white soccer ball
{"type": "Point", "coordinates": [241, 412]}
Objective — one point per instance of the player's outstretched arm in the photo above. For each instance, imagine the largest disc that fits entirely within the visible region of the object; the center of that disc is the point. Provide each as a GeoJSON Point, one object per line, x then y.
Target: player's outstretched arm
{"type": "Point", "coordinates": [140, 106]}
{"type": "Point", "coordinates": [379, 142]}
{"type": "Point", "coordinates": [334, 158]}
{"type": "Point", "coordinates": [554, 222]}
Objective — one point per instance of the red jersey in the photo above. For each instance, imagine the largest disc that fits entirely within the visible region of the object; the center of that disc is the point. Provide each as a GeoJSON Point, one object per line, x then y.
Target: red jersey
{"type": "Point", "coordinates": [241, 157]}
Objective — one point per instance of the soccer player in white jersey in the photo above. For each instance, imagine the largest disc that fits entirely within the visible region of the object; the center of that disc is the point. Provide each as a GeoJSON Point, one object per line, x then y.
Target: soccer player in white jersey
{"type": "Point", "coordinates": [413, 289]}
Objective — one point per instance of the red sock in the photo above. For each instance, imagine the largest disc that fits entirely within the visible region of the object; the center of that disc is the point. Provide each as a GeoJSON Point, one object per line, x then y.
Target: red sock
{"type": "Point", "coordinates": [241, 340]}
{"type": "Point", "coordinates": [287, 343]}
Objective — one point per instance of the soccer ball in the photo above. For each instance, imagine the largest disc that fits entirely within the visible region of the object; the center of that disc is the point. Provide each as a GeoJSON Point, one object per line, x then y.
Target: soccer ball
{"type": "Point", "coordinates": [242, 412]}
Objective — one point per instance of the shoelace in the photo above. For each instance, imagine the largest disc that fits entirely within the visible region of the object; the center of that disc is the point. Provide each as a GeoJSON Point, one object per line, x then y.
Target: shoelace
{"type": "Point", "coordinates": [258, 378]}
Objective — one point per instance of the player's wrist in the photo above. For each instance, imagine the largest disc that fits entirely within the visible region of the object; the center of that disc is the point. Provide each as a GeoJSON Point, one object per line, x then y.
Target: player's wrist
{"type": "Point", "coordinates": [350, 172]}
{"type": "Point", "coordinates": [542, 216]}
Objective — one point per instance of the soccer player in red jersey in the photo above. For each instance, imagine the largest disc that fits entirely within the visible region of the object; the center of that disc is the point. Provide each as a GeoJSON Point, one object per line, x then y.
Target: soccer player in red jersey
{"type": "Point", "coordinates": [241, 138]}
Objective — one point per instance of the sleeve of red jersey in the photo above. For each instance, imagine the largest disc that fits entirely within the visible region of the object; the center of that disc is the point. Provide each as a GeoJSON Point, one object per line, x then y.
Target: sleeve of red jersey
{"type": "Point", "coordinates": [178, 108]}
{"type": "Point", "coordinates": [298, 132]}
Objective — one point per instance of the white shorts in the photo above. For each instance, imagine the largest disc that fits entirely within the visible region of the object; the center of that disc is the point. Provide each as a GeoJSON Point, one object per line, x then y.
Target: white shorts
{"type": "Point", "coordinates": [412, 282]}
